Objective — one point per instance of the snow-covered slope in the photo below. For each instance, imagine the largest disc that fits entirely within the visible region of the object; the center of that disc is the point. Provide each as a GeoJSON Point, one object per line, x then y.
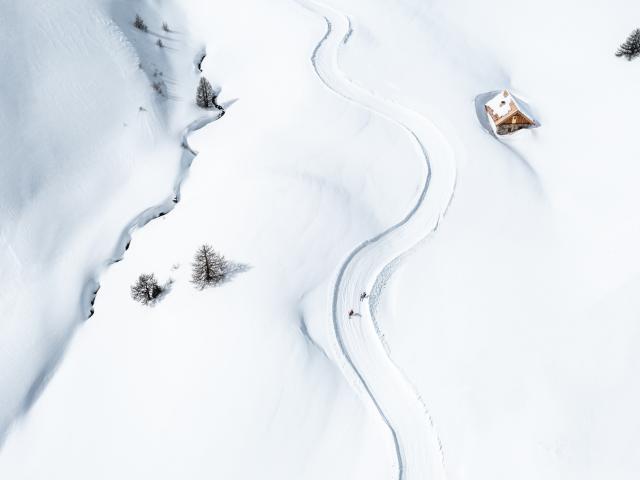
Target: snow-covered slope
{"type": "Point", "coordinates": [204, 380]}
{"type": "Point", "coordinates": [88, 151]}
{"type": "Point", "coordinates": [517, 320]}
{"type": "Point", "coordinates": [501, 339]}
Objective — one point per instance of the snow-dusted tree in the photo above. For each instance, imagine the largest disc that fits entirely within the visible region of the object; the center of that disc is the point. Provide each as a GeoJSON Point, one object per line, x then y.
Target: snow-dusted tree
{"type": "Point", "coordinates": [165, 27]}
{"type": "Point", "coordinates": [631, 47]}
{"type": "Point", "coordinates": [209, 267]}
{"type": "Point", "coordinates": [205, 96]}
{"type": "Point", "coordinates": [146, 289]}
{"type": "Point", "coordinates": [139, 24]}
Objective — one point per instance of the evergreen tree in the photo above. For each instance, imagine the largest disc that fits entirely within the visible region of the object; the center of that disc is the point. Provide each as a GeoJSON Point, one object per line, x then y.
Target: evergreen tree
{"type": "Point", "coordinates": [631, 47]}
{"type": "Point", "coordinates": [146, 289]}
{"type": "Point", "coordinates": [209, 267]}
{"type": "Point", "coordinates": [205, 97]}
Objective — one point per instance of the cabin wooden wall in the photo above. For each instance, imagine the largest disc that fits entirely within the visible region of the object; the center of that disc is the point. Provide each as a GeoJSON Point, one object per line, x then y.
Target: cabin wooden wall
{"type": "Point", "coordinates": [519, 119]}
{"type": "Point", "coordinates": [510, 128]}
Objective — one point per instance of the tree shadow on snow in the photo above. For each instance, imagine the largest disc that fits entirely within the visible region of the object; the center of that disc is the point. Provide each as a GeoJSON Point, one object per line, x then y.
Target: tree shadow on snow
{"type": "Point", "coordinates": [166, 290]}
{"type": "Point", "coordinates": [233, 270]}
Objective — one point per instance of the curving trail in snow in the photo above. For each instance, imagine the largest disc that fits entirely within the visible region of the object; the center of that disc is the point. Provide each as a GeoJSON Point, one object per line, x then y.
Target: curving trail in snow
{"type": "Point", "coordinates": [364, 358]}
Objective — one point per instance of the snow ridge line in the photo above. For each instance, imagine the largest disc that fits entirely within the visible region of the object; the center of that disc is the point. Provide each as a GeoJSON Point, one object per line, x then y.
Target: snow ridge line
{"type": "Point", "coordinates": [188, 155]}
{"type": "Point", "coordinates": [92, 286]}
{"type": "Point", "coordinates": [151, 213]}
{"type": "Point", "coordinates": [414, 466]}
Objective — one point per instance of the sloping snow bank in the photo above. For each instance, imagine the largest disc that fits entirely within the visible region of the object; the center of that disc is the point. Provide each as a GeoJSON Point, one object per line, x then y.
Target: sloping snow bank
{"type": "Point", "coordinates": [238, 381]}
{"type": "Point", "coordinates": [86, 146]}
{"type": "Point", "coordinates": [518, 322]}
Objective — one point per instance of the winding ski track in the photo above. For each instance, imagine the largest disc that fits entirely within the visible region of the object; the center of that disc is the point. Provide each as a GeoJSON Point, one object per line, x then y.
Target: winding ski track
{"type": "Point", "coordinates": [360, 349]}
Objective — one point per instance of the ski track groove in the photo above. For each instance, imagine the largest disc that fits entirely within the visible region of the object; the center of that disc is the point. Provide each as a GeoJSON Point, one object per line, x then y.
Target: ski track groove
{"type": "Point", "coordinates": [386, 270]}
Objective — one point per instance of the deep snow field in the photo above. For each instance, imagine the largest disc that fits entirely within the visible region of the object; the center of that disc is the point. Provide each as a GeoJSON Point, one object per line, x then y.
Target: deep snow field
{"type": "Point", "coordinates": [88, 152]}
{"type": "Point", "coordinates": [500, 336]}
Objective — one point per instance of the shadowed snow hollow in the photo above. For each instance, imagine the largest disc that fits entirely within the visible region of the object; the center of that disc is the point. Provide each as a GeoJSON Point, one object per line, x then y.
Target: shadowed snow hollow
{"type": "Point", "coordinates": [86, 145]}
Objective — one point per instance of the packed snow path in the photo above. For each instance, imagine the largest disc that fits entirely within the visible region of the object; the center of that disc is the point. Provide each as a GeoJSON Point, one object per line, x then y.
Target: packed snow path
{"type": "Point", "coordinates": [418, 448]}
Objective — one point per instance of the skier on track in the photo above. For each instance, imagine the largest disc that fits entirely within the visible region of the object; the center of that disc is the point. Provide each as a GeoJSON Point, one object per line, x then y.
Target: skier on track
{"type": "Point", "coordinates": [351, 313]}
{"type": "Point", "coordinates": [363, 295]}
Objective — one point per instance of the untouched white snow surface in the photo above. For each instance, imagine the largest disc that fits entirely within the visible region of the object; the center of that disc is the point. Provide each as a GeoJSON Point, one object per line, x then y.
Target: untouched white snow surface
{"type": "Point", "coordinates": [513, 328]}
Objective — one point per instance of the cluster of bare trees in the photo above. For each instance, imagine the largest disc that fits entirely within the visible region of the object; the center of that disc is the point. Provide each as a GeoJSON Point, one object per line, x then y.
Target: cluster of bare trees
{"type": "Point", "coordinates": [140, 24]}
{"type": "Point", "coordinates": [206, 96]}
{"type": "Point", "coordinates": [209, 268]}
{"type": "Point", "coordinates": [158, 84]}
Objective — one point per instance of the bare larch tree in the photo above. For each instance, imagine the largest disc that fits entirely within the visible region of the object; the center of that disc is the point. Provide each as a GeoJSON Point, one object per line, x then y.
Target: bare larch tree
{"type": "Point", "coordinates": [205, 96]}
{"type": "Point", "coordinates": [146, 289]}
{"type": "Point", "coordinates": [209, 267]}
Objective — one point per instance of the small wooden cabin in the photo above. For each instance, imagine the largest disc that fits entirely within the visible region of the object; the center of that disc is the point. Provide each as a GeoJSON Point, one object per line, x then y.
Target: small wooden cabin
{"type": "Point", "coordinates": [506, 115]}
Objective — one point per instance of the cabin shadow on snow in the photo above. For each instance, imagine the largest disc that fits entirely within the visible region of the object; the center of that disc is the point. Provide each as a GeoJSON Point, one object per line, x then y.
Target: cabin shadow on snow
{"type": "Point", "coordinates": [484, 121]}
{"type": "Point", "coordinates": [480, 102]}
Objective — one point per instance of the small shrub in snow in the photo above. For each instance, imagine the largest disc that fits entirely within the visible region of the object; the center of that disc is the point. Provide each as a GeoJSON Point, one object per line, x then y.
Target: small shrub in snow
{"type": "Point", "coordinates": [165, 27]}
{"type": "Point", "coordinates": [159, 87]}
{"type": "Point", "coordinates": [631, 47]}
{"type": "Point", "coordinates": [139, 24]}
{"type": "Point", "coordinates": [209, 267]}
{"type": "Point", "coordinates": [205, 96]}
{"type": "Point", "coordinates": [159, 43]}
{"type": "Point", "coordinates": [146, 289]}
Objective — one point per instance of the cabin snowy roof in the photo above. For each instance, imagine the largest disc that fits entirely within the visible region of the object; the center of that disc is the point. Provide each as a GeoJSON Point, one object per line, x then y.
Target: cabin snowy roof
{"type": "Point", "coordinates": [502, 106]}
